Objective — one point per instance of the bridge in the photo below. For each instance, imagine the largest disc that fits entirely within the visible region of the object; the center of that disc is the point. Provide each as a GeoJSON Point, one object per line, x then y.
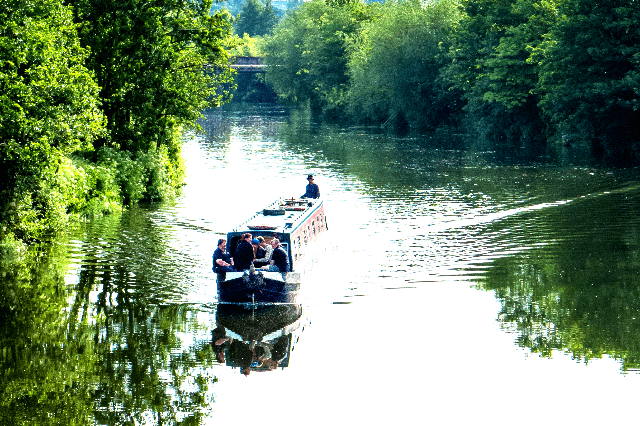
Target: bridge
{"type": "Point", "coordinates": [248, 64]}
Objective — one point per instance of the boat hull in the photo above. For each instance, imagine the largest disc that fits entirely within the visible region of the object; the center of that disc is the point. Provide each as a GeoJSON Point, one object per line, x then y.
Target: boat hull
{"type": "Point", "coordinates": [298, 224]}
{"type": "Point", "coordinates": [258, 287]}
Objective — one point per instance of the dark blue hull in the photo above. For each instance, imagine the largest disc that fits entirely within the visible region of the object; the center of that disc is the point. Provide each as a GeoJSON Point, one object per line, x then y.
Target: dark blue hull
{"type": "Point", "coordinates": [258, 288]}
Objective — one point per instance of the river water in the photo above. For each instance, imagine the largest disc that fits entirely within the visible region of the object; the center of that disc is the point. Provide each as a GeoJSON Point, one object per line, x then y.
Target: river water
{"type": "Point", "coordinates": [459, 284]}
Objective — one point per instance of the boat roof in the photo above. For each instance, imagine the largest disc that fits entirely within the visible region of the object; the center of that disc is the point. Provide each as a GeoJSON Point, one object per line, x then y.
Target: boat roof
{"type": "Point", "coordinates": [282, 216]}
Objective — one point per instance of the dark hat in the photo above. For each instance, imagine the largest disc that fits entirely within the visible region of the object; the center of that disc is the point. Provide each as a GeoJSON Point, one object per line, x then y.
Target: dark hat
{"type": "Point", "coordinates": [310, 177]}
{"type": "Point", "coordinates": [255, 241]}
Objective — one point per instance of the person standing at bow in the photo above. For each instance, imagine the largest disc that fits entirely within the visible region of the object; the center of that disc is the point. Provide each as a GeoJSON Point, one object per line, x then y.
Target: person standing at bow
{"type": "Point", "coordinates": [313, 190]}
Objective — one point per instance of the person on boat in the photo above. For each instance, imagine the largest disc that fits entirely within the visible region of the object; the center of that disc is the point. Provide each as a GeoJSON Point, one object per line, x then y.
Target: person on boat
{"type": "Point", "coordinates": [241, 355]}
{"type": "Point", "coordinates": [279, 258]}
{"type": "Point", "coordinates": [222, 262]}
{"type": "Point", "coordinates": [255, 245]}
{"type": "Point", "coordinates": [313, 190]}
{"type": "Point", "coordinates": [243, 256]}
{"type": "Point", "coordinates": [219, 342]}
{"type": "Point", "coordinates": [263, 254]}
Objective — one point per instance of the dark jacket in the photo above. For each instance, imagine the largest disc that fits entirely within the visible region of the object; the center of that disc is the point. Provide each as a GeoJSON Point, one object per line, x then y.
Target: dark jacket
{"type": "Point", "coordinates": [243, 256]}
{"type": "Point", "coordinates": [312, 191]}
{"type": "Point", "coordinates": [260, 253]}
{"type": "Point", "coordinates": [280, 259]}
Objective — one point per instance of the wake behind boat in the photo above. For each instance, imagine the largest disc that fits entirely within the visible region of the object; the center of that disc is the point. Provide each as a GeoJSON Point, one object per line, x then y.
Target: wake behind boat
{"type": "Point", "coordinates": [298, 224]}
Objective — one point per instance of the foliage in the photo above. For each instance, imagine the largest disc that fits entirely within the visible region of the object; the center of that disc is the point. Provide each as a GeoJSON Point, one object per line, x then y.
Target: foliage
{"type": "Point", "coordinates": [247, 46]}
{"type": "Point", "coordinates": [590, 76]}
{"type": "Point", "coordinates": [522, 72]}
{"type": "Point", "coordinates": [489, 63]}
{"type": "Point", "coordinates": [394, 65]}
{"type": "Point", "coordinates": [87, 130]}
{"type": "Point", "coordinates": [306, 54]}
{"type": "Point", "coordinates": [148, 59]}
{"type": "Point", "coordinates": [256, 18]}
{"type": "Point", "coordinates": [48, 109]}
{"type": "Point", "coordinates": [233, 6]}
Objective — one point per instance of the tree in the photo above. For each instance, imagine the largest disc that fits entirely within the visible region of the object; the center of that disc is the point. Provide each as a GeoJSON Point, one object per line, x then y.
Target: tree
{"type": "Point", "coordinates": [48, 109]}
{"type": "Point", "coordinates": [233, 6]}
{"type": "Point", "coordinates": [90, 129]}
{"type": "Point", "coordinates": [307, 53]}
{"type": "Point", "coordinates": [590, 76]}
{"type": "Point", "coordinates": [149, 58]}
{"type": "Point", "coordinates": [489, 63]}
{"type": "Point", "coordinates": [256, 18]}
{"type": "Point", "coordinates": [395, 61]}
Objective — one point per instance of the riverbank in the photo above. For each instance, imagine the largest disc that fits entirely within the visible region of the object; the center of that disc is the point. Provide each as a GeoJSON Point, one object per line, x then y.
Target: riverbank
{"type": "Point", "coordinates": [86, 185]}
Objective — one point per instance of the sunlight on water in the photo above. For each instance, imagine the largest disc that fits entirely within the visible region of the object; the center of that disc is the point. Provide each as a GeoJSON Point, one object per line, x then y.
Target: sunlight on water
{"type": "Point", "coordinates": [449, 278]}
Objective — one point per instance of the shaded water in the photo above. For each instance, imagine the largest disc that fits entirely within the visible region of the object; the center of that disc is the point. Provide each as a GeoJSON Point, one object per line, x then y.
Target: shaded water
{"type": "Point", "coordinates": [460, 284]}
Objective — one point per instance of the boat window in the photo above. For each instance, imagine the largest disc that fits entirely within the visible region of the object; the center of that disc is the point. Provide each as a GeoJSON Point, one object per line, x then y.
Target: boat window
{"type": "Point", "coordinates": [313, 226]}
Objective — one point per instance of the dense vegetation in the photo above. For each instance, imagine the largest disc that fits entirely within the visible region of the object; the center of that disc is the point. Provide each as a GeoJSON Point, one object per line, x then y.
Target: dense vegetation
{"type": "Point", "coordinates": [513, 71]}
{"type": "Point", "coordinates": [93, 95]}
{"type": "Point", "coordinates": [256, 18]}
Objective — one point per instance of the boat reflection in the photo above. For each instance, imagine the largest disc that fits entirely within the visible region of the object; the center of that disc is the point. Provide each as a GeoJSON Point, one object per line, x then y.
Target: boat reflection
{"type": "Point", "coordinates": [256, 337]}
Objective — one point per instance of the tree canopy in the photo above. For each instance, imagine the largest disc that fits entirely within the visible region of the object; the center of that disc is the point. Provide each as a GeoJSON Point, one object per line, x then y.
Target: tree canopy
{"type": "Point", "coordinates": [93, 96]}
{"type": "Point", "coordinates": [394, 64]}
{"type": "Point", "coordinates": [256, 18]}
{"type": "Point", "coordinates": [307, 53]}
{"type": "Point", "coordinates": [49, 107]}
{"type": "Point", "coordinates": [512, 71]}
{"type": "Point", "coordinates": [589, 72]}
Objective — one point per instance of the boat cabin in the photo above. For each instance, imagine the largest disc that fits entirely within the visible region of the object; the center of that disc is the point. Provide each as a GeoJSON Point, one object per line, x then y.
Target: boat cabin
{"type": "Point", "coordinates": [297, 223]}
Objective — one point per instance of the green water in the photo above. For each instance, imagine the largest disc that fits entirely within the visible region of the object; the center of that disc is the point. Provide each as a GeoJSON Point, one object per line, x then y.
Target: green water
{"type": "Point", "coordinates": [501, 281]}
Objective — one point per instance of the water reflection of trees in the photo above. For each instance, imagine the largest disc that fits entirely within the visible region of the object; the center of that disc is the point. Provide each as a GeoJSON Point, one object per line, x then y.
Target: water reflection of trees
{"type": "Point", "coordinates": [579, 292]}
{"type": "Point", "coordinates": [46, 354]}
{"type": "Point", "coordinates": [101, 350]}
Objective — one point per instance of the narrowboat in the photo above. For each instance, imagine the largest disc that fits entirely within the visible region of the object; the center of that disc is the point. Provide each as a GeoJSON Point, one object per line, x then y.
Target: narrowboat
{"type": "Point", "coordinates": [299, 224]}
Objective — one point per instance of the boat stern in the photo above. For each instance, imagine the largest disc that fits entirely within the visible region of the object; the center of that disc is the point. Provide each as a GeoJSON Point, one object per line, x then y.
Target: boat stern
{"type": "Point", "coordinates": [257, 286]}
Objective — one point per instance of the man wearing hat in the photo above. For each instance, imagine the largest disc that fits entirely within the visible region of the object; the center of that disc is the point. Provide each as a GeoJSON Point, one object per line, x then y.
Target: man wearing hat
{"type": "Point", "coordinates": [313, 191]}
